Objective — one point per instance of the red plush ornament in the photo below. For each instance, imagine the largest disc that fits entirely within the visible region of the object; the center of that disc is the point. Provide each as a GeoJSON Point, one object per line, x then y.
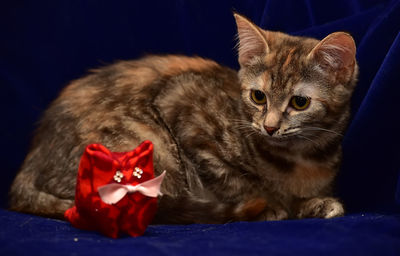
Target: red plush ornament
{"type": "Point", "coordinates": [115, 192]}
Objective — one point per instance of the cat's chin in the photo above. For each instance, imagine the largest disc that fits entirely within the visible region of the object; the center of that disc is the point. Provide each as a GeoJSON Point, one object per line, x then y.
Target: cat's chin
{"type": "Point", "coordinates": [279, 141]}
{"type": "Point", "coordinates": [287, 142]}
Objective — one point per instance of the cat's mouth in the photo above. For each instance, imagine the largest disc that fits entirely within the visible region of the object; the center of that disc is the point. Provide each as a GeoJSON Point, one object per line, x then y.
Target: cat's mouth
{"type": "Point", "coordinates": [278, 135]}
{"type": "Point", "coordinates": [283, 137]}
{"type": "Point", "coordinates": [289, 140]}
{"type": "Point", "coordinates": [279, 138]}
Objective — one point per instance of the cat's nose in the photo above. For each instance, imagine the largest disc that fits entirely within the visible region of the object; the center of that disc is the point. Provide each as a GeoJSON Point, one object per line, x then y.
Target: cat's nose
{"type": "Point", "coordinates": [271, 130]}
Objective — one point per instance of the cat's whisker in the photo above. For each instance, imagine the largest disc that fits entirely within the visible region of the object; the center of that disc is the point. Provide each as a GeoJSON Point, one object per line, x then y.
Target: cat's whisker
{"type": "Point", "coordinates": [244, 128]}
{"type": "Point", "coordinates": [251, 133]}
{"type": "Point", "coordinates": [242, 123]}
{"type": "Point", "coordinates": [306, 138]}
{"type": "Point", "coordinates": [309, 134]}
{"type": "Point", "coordinates": [291, 133]}
{"type": "Point", "coordinates": [237, 119]}
{"type": "Point", "coordinates": [313, 128]}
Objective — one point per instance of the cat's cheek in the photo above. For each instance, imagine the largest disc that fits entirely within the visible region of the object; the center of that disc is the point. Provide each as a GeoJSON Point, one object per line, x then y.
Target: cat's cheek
{"type": "Point", "coordinates": [291, 111]}
{"type": "Point", "coordinates": [317, 111]}
{"type": "Point", "coordinates": [258, 119]}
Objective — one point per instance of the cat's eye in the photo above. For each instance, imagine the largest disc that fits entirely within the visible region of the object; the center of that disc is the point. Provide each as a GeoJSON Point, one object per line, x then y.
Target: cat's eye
{"type": "Point", "coordinates": [258, 97]}
{"type": "Point", "coordinates": [299, 102]}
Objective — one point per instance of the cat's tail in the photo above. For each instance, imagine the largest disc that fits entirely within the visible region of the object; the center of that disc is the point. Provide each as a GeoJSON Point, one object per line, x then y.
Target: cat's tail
{"type": "Point", "coordinates": [188, 210]}
{"type": "Point", "coordinates": [25, 197]}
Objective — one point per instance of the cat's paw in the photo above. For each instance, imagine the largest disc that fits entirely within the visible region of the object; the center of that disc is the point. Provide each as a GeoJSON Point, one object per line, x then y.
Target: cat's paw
{"type": "Point", "coordinates": [274, 214]}
{"type": "Point", "coordinates": [258, 209]}
{"type": "Point", "coordinates": [320, 208]}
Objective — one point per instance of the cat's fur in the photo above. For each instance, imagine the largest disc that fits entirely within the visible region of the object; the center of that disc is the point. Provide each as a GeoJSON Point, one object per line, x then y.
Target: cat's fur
{"type": "Point", "coordinates": [213, 140]}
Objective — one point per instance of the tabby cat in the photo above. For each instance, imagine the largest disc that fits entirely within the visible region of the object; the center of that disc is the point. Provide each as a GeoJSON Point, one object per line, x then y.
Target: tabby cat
{"type": "Point", "coordinates": [263, 143]}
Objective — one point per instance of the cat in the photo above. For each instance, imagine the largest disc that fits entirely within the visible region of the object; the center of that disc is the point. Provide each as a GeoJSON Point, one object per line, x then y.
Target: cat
{"type": "Point", "coordinates": [263, 143]}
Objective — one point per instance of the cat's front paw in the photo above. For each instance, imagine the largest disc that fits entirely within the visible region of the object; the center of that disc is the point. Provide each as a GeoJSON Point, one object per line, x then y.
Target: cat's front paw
{"type": "Point", "coordinates": [258, 209]}
{"type": "Point", "coordinates": [320, 208]}
{"type": "Point", "coordinates": [273, 214]}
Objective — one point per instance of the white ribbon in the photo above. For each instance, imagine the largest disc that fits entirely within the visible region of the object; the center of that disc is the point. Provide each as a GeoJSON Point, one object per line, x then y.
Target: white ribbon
{"type": "Point", "coordinates": [113, 193]}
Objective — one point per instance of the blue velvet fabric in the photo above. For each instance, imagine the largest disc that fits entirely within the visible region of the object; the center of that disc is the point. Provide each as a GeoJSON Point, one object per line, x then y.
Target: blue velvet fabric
{"type": "Point", "coordinates": [45, 44]}
{"type": "Point", "coordinates": [362, 234]}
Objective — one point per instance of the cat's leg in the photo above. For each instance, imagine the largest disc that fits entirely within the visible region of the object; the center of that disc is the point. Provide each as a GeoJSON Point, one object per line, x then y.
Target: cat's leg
{"type": "Point", "coordinates": [25, 197]}
{"type": "Point", "coordinates": [319, 207]}
{"type": "Point", "coordinates": [188, 209]}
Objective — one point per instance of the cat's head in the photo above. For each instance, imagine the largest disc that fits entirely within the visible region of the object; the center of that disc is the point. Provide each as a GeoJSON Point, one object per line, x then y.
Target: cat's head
{"type": "Point", "coordinates": [295, 88]}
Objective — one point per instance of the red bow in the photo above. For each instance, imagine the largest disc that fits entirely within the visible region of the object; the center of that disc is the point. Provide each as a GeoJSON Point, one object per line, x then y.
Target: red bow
{"type": "Point", "coordinates": [98, 167]}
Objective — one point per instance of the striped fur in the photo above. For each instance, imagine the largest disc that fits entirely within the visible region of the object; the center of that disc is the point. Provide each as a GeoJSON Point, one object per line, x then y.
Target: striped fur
{"type": "Point", "coordinates": [208, 134]}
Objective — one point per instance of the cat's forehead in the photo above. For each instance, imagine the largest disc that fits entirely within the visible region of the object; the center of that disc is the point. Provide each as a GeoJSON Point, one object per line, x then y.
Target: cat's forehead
{"type": "Point", "coordinates": [285, 68]}
{"type": "Point", "coordinates": [280, 91]}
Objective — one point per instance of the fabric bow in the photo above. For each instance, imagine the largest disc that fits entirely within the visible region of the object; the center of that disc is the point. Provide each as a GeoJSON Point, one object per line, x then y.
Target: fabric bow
{"type": "Point", "coordinates": [113, 193]}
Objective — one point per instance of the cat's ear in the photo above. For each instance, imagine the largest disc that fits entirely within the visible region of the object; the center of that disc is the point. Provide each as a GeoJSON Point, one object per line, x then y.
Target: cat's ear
{"type": "Point", "coordinates": [336, 51]}
{"type": "Point", "coordinates": [252, 41]}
